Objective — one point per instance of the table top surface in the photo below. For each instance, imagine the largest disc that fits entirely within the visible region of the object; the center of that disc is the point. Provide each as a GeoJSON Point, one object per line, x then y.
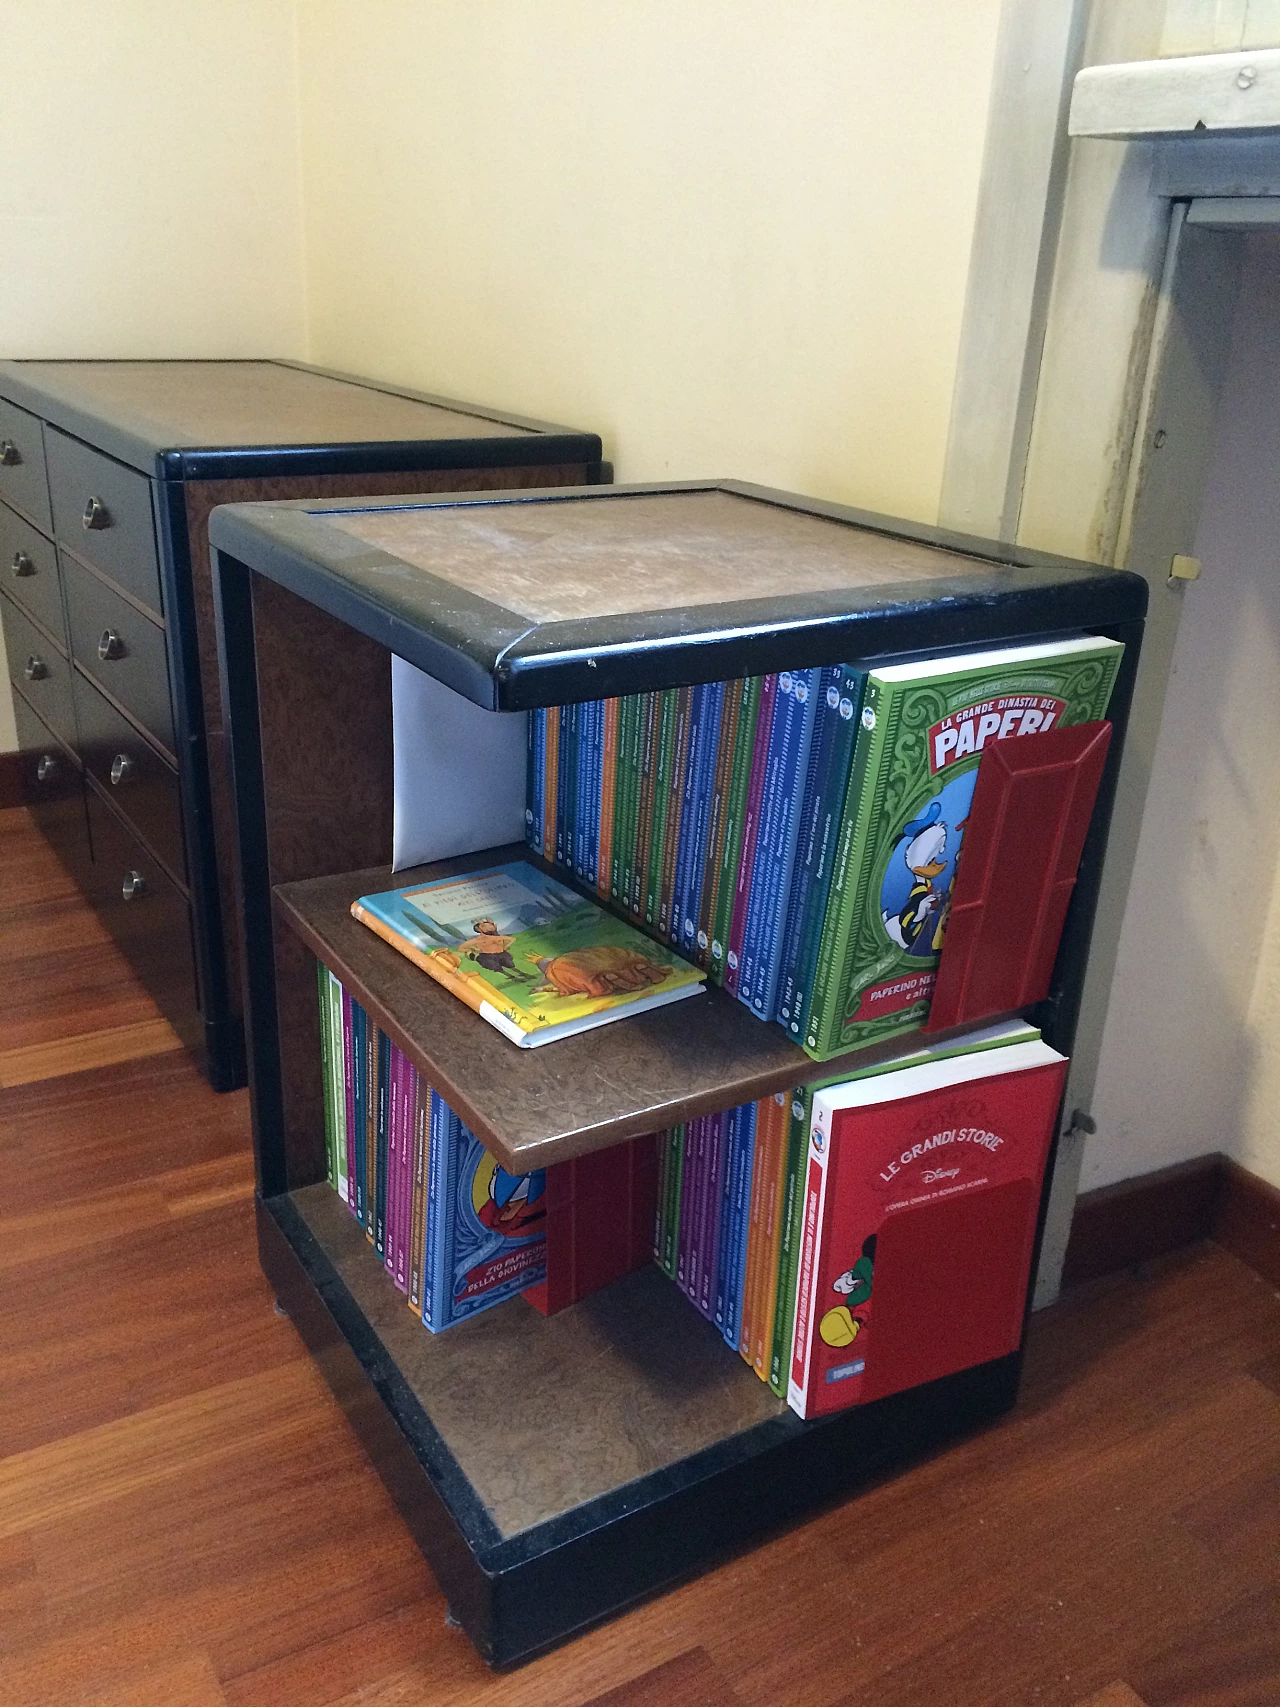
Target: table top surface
{"type": "Point", "coordinates": [600, 590]}
{"type": "Point", "coordinates": [138, 410]}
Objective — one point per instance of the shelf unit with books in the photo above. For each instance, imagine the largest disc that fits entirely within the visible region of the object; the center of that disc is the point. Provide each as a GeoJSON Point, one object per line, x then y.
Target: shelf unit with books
{"type": "Point", "coordinates": [554, 1470]}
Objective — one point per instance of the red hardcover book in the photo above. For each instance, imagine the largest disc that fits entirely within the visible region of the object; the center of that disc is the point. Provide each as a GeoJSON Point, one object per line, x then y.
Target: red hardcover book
{"type": "Point", "coordinates": [922, 1188]}
{"type": "Point", "coordinates": [600, 1211]}
{"type": "Point", "coordinates": [1027, 823]}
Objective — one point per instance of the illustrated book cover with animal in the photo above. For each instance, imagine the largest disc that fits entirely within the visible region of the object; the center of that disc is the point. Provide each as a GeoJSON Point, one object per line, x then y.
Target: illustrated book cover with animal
{"type": "Point", "coordinates": [921, 1193]}
{"type": "Point", "coordinates": [923, 728]}
{"type": "Point", "coordinates": [526, 953]}
{"type": "Point", "coordinates": [486, 1229]}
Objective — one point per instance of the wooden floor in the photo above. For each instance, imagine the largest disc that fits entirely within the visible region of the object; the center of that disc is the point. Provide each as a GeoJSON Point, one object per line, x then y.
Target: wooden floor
{"type": "Point", "coordinates": [186, 1520]}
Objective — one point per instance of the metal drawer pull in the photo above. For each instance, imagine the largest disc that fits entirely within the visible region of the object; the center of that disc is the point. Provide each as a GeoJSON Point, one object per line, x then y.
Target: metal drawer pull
{"type": "Point", "coordinates": [47, 767]}
{"type": "Point", "coordinates": [110, 645]}
{"type": "Point", "coordinates": [35, 669]}
{"type": "Point", "coordinates": [10, 456]}
{"type": "Point", "coordinates": [134, 884]}
{"type": "Point", "coordinates": [96, 515]}
{"type": "Point", "coordinates": [122, 768]}
{"type": "Point", "coordinates": [22, 564]}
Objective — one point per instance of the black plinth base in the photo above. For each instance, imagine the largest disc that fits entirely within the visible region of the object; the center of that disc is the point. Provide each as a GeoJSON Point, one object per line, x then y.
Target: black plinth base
{"type": "Point", "coordinates": [518, 1592]}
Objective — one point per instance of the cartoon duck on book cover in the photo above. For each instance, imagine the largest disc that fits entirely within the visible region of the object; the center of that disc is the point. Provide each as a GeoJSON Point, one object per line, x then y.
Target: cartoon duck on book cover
{"type": "Point", "coordinates": [924, 727]}
{"type": "Point", "coordinates": [489, 1240]}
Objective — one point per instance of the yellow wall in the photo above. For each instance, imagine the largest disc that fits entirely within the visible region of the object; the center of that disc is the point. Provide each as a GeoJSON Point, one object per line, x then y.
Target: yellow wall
{"type": "Point", "coordinates": [149, 199]}
{"type": "Point", "coordinates": [732, 236]}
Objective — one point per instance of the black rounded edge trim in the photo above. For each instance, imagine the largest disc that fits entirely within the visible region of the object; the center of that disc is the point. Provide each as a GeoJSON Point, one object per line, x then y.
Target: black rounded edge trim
{"type": "Point", "coordinates": [452, 657]}
{"type": "Point", "coordinates": [388, 456]}
{"type": "Point", "coordinates": [560, 663]}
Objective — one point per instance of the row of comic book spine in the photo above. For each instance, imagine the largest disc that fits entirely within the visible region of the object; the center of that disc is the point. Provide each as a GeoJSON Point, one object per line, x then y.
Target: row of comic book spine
{"type": "Point", "coordinates": [392, 1144]}
{"type": "Point", "coordinates": [709, 815]}
{"type": "Point", "coordinates": [727, 1227]}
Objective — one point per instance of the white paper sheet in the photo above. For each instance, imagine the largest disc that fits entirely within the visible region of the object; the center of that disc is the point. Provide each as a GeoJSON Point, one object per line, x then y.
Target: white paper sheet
{"type": "Point", "coordinates": [459, 771]}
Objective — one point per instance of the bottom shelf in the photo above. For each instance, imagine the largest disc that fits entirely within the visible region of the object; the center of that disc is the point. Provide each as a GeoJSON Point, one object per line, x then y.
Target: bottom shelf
{"type": "Point", "coordinates": [554, 1470]}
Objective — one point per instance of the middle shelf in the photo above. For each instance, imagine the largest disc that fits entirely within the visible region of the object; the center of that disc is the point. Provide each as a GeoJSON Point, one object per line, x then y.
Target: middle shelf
{"type": "Point", "coordinates": [535, 1107]}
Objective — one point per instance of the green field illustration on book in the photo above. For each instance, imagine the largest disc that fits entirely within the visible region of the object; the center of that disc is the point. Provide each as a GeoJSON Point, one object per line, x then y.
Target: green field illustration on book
{"type": "Point", "coordinates": [536, 944]}
{"type": "Point", "coordinates": [924, 731]}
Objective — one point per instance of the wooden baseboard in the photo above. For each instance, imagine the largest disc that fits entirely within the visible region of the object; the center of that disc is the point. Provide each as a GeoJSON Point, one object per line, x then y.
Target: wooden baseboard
{"type": "Point", "coordinates": [10, 780]}
{"type": "Point", "coordinates": [1247, 1220]}
{"type": "Point", "coordinates": [1210, 1197]}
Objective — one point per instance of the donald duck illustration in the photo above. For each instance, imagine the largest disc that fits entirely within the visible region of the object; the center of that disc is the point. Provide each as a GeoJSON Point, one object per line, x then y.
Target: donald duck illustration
{"type": "Point", "coordinates": [924, 851]}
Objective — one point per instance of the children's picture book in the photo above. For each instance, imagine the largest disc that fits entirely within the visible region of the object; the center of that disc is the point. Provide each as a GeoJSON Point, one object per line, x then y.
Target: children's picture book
{"type": "Point", "coordinates": [487, 1233]}
{"type": "Point", "coordinates": [921, 1193]}
{"type": "Point", "coordinates": [528, 954]}
{"type": "Point", "coordinates": [923, 728]}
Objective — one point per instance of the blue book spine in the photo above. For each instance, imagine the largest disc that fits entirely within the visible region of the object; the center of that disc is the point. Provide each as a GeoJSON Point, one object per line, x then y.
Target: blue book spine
{"type": "Point", "coordinates": [828, 815]}
{"type": "Point", "coordinates": [716, 1158]}
{"type": "Point", "coordinates": [746, 1147]}
{"type": "Point", "coordinates": [382, 1129]}
{"type": "Point", "coordinates": [531, 778]}
{"type": "Point", "coordinates": [785, 708]}
{"type": "Point", "coordinates": [540, 778]}
{"type": "Point", "coordinates": [439, 1191]}
{"type": "Point", "coordinates": [360, 1107]}
{"type": "Point", "coordinates": [712, 712]}
{"type": "Point", "coordinates": [583, 818]}
{"type": "Point", "coordinates": [793, 776]}
{"type": "Point", "coordinates": [688, 809]}
{"type": "Point", "coordinates": [574, 806]}
{"type": "Point", "coordinates": [825, 733]}
{"type": "Point", "coordinates": [724, 1264]}
{"type": "Point", "coordinates": [594, 771]}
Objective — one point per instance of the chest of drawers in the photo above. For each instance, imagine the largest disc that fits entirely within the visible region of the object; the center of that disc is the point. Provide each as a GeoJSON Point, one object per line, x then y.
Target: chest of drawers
{"type": "Point", "coordinates": [108, 472]}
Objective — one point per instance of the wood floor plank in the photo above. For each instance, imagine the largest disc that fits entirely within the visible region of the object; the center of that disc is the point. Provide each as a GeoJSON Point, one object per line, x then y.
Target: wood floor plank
{"type": "Point", "coordinates": [690, 1680]}
{"type": "Point", "coordinates": [1230, 1661]}
{"type": "Point", "coordinates": [1114, 1695]}
{"type": "Point", "coordinates": [100, 1465]}
{"type": "Point", "coordinates": [87, 1051]}
{"type": "Point", "coordinates": [187, 1680]}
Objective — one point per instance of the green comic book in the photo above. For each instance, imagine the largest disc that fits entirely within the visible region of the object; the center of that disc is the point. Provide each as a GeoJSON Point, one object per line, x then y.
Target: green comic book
{"type": "Point", "coordinates": [924, 726]}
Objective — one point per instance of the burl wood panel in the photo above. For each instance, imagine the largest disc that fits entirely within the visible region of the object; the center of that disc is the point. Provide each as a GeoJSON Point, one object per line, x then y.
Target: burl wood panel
{"type": "Point", "coordinates": [210, 404]}
{"type": "Point", "coordinates": [532, 1107]}
{"type": "Point", "coordinates": [203, 496]}
{"type": "Point", "coordinates": [627, 1382]}
{"type": "Point", "coordinates": [553, 561]}
{"type": "Point", "coordinates": [324, 705]}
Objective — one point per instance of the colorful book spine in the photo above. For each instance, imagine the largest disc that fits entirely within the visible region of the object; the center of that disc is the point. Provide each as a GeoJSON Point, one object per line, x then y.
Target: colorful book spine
{"type": "Point", "coordinates": [646, 756]}
{"type": "Point", "coordinates": [339, 1085]}
{"type": "Point", "coordinates": [750, 833]}
{"type": "Point", "coordinates": [608, 788]}
{"type": "Point", "coordinates": [712, 1216]}
{"type": "Point", "coordinates": [551, 781]}
{"type": "Point", "coordinates": [404, 1197]}
{"type": "Point", "coordinates": [762, 1342]}
{"type": "Point", "coordinates": [418, 1212]}
{"type": "Point", "coordinates": [735, 808]}
{"type": "Point", "coordinates": [820, 825]}
{"type": "Point", "coordinates": [745, 1123]}
{"type": "Point", "coordinates": [379, 1106]}
{"type": "Point", "coordinates": [730, 706]}
{"type": "Point", "coordinates": [663, 758]}
{"type": "Point", "coordinates": [695, 867]}
{"type": "Point", "coordinates": [597, 792]}
{"type": "Point", "coordinates": [671, 1219]}
{"type": "Point", "coordinates": [792, 1220]}
{"type": "Point", "coordinates": [675, 796]}
{"type": "Point", "coordinates": [328, 1076]}
{"type": "Point", "coordinates": [360, 1102]}
{"type": "Point", "coordinates": [532, 821]}
{"type": "Point", "coordinates": [390, 1098]}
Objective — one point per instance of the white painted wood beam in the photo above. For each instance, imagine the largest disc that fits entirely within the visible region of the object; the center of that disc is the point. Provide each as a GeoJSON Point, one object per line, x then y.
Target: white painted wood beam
{"type": "Point", "coordinates": [1215, 93]}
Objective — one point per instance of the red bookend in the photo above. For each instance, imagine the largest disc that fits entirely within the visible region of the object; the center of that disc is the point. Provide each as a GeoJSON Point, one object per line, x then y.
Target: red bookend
{"type": "Point", "coordinates": [1027, 824]}
{"type": "Point", "coordinates": [600, 1211]}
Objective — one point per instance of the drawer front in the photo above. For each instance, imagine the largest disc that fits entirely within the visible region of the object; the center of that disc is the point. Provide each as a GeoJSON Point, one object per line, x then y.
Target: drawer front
{"type": "Point", "coordinates": [22, 472]}
{"type": "Point", "coordinates": [103, 510]}
{"type": "Point", "coordinates": [147, 915]}
{"type": "Point", "coordinates": [120, 648]}
{"type": "Point", "coordinates": [52, 789]}
{"type": "Point", "coordinates": [40, 671]}
{"type": "Point", "coordinates": [141, 785]}
{"type": "Point", "coordinates": [29, 569]}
